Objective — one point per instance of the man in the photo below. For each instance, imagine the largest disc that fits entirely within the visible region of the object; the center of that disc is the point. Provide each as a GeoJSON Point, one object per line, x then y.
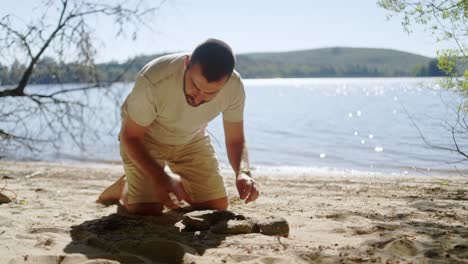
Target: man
{"type": "Point", "coordinates": [163, 123]}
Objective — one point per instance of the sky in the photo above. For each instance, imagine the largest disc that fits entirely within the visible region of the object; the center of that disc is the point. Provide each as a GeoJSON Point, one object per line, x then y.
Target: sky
{"type": "Point", "coordinates": [254, 26]}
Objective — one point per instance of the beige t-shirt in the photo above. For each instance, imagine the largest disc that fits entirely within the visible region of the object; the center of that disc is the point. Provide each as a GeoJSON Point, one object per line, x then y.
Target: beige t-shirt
{"type": "Point", "coordinates": [158, 102]}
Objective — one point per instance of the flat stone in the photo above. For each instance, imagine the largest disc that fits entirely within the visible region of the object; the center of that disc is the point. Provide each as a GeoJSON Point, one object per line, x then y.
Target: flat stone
{"type": "Point", "coordinates": [402, 247]}
{"type": "Point", "coordinates": [460, 250]}
{"type": "Point", "coordinates": [273, 226]}
{"type": "Point", "coordinates": [193, 223]}
{"type": "Point", "coordinates": [233, 227]}
{"type": "Point", "coordinates": [4, 199]}
{"type": "Point", "coordinates": [212, 215]}
{"type": "Point", "coordinates": [202, 220]}
{"type": "Point", "coordinates": [226, 222]}
{"type": "Point", "coordinates": [433, 253]}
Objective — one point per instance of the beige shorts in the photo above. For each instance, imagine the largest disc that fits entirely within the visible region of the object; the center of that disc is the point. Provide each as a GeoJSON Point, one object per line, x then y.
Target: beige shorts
{"type": "Point", "coordinates": [195, 162]}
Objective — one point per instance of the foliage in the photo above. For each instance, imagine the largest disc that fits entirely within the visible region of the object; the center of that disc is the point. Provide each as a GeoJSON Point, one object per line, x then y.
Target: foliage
{"type": "Point", "coordinates": [447, 21]}
{"type": "Point", "coordinates": [64, 30]}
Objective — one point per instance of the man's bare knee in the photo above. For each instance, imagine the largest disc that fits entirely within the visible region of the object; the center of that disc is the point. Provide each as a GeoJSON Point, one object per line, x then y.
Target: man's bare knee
{"type": "Point", "coordinates": [145, 208]}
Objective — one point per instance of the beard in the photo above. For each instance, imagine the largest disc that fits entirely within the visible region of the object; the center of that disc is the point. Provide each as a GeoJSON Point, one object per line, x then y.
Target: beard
{"type": "Point", "coordinates": [191, 101]}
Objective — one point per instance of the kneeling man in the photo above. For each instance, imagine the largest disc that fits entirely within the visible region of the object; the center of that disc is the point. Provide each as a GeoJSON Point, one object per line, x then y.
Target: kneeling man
{"type": "Point", "coordinates": [163, 123]}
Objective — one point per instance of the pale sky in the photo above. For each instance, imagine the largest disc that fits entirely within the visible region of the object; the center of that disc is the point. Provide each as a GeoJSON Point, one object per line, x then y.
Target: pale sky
{"type": "Point", "coordinates": [257, 26]}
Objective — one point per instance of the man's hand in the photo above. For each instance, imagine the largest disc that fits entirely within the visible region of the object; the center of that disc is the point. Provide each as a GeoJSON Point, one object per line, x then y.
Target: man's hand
{"type": "Point", "coordinates": [132, 137]}
{"type": "Point", "coordinates": [171, 184]}
{"type": "Point", "coordinates": [247, 188]}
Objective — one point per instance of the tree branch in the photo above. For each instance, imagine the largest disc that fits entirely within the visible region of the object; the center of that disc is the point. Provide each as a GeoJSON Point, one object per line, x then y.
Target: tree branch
{"type": "Point", "coordinates": [58, 113]}
{"type": "Point", "coordinates": [427, 142]}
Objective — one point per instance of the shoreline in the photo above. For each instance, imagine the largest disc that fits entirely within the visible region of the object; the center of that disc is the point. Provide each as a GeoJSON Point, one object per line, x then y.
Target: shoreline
{"type": "Point", "coordinates": [332, 219]}
{"type": "Point", "coordinates": [273, 171]}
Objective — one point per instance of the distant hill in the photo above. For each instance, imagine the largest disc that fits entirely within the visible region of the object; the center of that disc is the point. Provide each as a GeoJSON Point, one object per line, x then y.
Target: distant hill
{"type": "Point", "coordinates": [326, 62]}
{"type": "Point", "coordinates": [335, 62]}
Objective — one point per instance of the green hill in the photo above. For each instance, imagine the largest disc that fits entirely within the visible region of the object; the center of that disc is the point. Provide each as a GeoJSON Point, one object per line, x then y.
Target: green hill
{"type": "Point", "coordinates": [326, 62]}
{"type": "Point", "coordinates": [335, 62]}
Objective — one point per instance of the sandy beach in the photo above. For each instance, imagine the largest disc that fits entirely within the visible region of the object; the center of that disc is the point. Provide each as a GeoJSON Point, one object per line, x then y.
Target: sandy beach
{"type": "Point", "coordinates": [332, 219]}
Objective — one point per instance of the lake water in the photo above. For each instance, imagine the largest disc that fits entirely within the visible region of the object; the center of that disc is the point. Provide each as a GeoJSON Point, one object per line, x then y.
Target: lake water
{"type": "Point", "coordinates": [331, 125]}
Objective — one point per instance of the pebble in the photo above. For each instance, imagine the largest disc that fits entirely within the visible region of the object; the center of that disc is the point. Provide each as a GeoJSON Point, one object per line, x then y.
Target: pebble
{"type": "Point", "coordinates": [274, 226]}
{"type": "Point", "coordinates": [4, 199]}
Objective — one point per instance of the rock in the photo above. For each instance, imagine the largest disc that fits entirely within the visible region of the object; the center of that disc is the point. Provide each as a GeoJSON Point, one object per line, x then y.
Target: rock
{"type": "Point", "coordinates": [402, 247]}
{"type": "Point", "coordinates": [233, 227]}
{"type": "Point", "coordinates": [226, 222]}
{"type": "Point", "coordinates": [193, 223]}
{"type": "Point", "coordinates": [273, 226]}
{"type": "Point", "coordinates": [202, 220]}
{"type": "Point", "coordinates": [460, 251]}
{"type": "Point", "coordinates": [198, 220]}
{"type": "Point", "coordinates": [432, 253]}
{"type": "Point", "coordinates": [214, 216]}
{"type": "Point", "coordinates": [4, 199]}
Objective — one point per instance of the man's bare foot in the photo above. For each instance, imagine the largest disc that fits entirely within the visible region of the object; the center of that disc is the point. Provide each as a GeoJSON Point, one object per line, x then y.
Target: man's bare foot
{"type": "Point", "coordinates": [112, 194]}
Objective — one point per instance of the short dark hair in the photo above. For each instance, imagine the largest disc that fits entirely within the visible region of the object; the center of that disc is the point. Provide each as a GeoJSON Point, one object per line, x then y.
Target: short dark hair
{"type": "Point", "coordinates": [215, 58]}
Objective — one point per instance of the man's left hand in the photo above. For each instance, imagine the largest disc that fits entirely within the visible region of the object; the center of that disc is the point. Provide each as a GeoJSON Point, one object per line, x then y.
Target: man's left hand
{"type": "Point", "coordinates": [247, 187]}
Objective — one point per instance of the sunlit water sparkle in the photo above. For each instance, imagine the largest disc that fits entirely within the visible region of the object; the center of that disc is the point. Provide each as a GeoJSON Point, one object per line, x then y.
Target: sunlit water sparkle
{"type": "Point", "coordinates": [331, 124]}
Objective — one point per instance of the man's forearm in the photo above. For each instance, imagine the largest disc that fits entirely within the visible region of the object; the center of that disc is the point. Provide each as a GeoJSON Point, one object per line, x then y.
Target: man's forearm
{"type": "Point", "coordinates": [142, 160]}
{"type": "Point", "coordinates": [238, 156]}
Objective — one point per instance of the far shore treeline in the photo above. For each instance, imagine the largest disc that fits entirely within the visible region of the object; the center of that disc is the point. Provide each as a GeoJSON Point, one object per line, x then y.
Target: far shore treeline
{"type": "Point", "coordinates": [326, 62]}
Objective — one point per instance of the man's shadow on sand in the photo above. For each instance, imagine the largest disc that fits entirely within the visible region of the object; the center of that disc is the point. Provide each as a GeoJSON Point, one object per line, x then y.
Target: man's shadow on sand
{"type": "Point", "coordinates": [140, 239]}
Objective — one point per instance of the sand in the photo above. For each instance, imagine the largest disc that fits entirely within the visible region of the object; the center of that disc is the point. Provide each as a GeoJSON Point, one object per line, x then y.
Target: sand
{"type": "Point", "coordinates": [332, 219]}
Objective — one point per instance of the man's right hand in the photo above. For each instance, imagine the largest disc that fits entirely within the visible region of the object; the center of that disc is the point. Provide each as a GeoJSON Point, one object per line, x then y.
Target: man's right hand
{"type": "Point", "coordinates": [171, 184]}
{"type": "Point", "coordinates": [132, 137]}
